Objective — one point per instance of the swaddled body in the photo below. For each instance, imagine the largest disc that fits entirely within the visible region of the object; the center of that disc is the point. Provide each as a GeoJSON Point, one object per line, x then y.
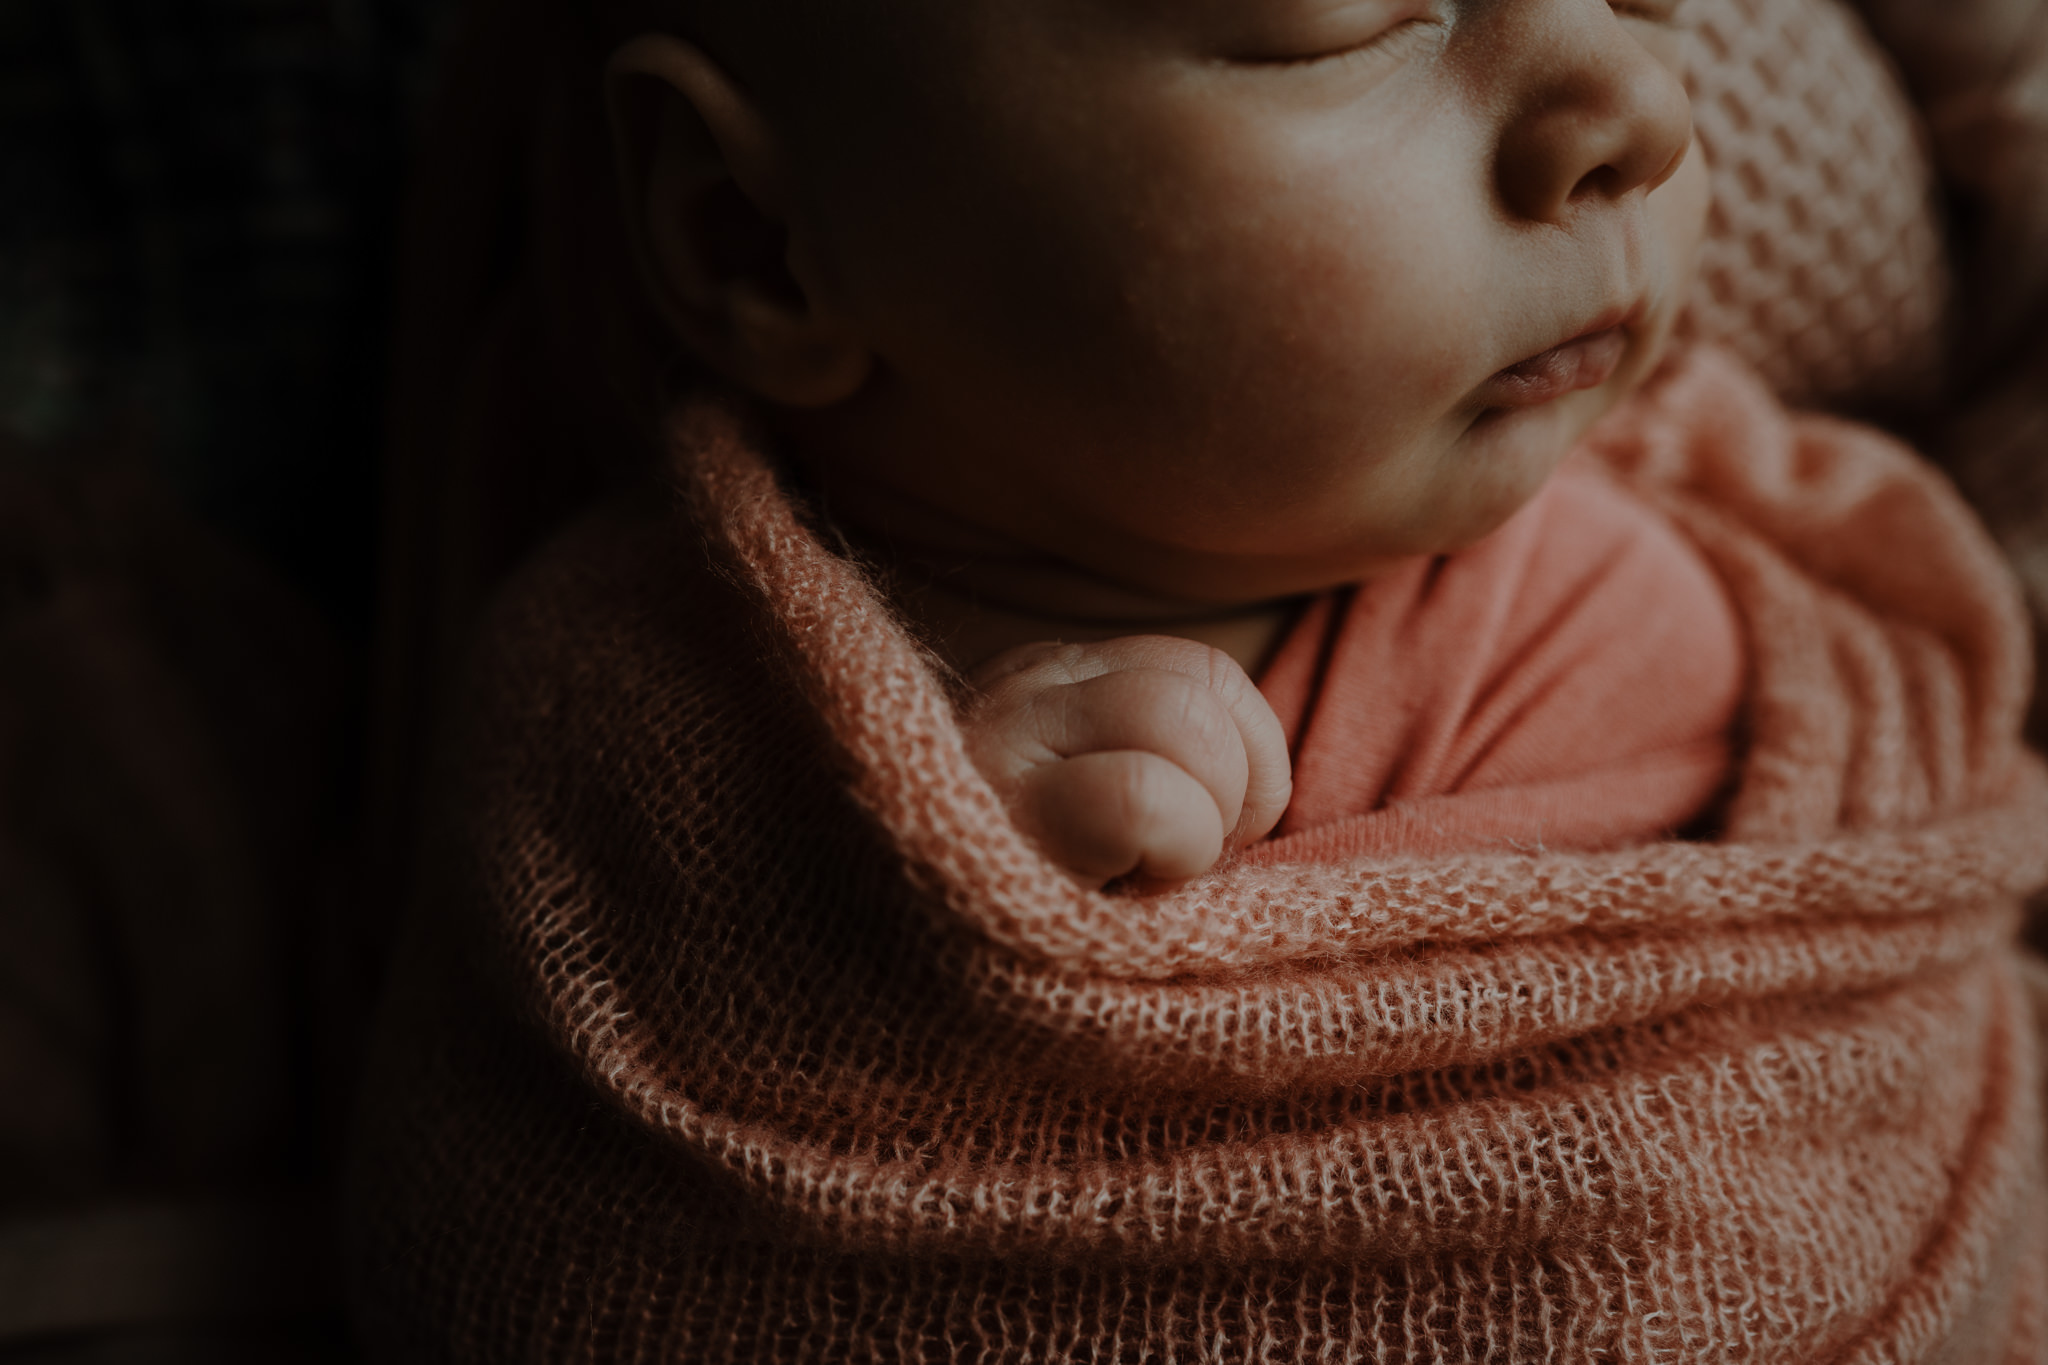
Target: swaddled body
{"type": "Point", "coordinates": [780, 1013]}
{"type": "Point", "coordinates": [751, 1028]}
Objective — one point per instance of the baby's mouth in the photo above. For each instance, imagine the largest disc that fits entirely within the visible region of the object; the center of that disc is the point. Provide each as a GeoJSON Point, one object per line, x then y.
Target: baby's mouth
{"type": "Point", "coordinates": [1585, 362]}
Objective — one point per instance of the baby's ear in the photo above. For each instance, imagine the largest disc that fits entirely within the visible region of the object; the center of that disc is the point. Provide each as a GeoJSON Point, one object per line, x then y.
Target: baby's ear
{"type": "Point", "coordinates": [708, 205]}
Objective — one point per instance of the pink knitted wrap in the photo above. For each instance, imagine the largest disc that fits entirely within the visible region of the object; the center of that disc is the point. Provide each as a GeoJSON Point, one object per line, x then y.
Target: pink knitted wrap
{"type": "Point", "coordinates": [743, 1026]}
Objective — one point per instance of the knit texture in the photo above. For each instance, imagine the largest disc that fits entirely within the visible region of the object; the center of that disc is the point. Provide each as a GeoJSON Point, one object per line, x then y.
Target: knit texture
{"type": "Point", "coordinates": [1823, 263]}
{"type": "Point", "coordinates": [743, 1026]}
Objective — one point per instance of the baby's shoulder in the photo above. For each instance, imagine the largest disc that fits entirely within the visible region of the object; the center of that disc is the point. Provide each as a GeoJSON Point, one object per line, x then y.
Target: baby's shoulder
{"type": "Point", "coordinates": [623, 586]}
{"type": "Point", "coordinates": [619, 638]}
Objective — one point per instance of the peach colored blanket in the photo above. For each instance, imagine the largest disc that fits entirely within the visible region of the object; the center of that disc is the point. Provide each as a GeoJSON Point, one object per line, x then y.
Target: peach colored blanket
{"type": "Point", "coordinates": [742, 1026]}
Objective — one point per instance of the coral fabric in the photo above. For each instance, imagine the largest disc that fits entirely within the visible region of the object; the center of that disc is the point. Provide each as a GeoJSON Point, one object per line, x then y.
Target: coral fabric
{"type": "Point", "coordinates": [742, 1025]}
{"type": "Point", "coordinates": [1569, 682]}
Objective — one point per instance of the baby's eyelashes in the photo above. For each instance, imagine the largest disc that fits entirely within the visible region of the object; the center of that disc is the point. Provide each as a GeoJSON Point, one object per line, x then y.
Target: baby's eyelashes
{"type": "Point", "coordinates": [1318, 33]}
{"type": "Point", "coordinates": [1655, 11]}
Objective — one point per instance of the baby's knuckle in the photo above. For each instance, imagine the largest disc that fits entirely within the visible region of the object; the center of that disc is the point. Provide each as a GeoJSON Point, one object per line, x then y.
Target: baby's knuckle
{"type": "Point", "coordinates": [1195, 711]}
{"type": "Point", "coordinates": [1224, 675]}
{"type": "Point", "coordinates": [1001, 738]}
{"type": "Point", "coordinates": [1028, 670]}
{"type": "Point", "coordinates": [1173, 653]}
{"type": "Point", "coordinates": [1071, 663]}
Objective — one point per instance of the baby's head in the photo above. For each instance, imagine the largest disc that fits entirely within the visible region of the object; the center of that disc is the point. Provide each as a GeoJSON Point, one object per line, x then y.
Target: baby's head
{"type": "Point", "coordinates": [1219, 300]}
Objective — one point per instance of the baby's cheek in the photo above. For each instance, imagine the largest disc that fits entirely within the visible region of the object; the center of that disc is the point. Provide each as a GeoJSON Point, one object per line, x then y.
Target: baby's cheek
{"type": "Point", "coordinates": [1679, 208]}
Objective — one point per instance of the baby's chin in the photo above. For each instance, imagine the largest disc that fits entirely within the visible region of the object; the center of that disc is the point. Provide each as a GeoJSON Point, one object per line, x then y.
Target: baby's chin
{"type": "Point", "coordinates": [1500, 464]}
{"type": "Point", "coordinates": [1477, 480]}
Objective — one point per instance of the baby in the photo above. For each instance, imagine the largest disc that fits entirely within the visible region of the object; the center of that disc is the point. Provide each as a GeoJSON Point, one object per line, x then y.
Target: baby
{"type": "Point", "coordinates": [786, 993]}
{"type": "Point", "coordinates": [1131, 322]}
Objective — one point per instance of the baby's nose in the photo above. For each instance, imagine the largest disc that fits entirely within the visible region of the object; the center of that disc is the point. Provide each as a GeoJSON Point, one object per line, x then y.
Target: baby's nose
{"type": "Point", "coordinates": [1593, 113]}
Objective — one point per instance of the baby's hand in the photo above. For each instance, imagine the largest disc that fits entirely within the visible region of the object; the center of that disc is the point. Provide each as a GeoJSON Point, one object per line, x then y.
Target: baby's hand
{"type": "Point", "coordinates": [1148, 754]}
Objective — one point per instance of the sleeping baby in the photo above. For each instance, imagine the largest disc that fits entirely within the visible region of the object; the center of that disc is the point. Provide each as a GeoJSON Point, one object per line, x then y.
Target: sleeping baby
{"type": "Point", "coordinates": [1380, 273]}
{"type": "Point", "coordinates": [1232, 755]}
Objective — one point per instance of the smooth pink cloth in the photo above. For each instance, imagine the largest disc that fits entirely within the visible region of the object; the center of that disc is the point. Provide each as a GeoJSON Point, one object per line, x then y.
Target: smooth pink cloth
{"type": "Point", "coordinates": [1572, 681]}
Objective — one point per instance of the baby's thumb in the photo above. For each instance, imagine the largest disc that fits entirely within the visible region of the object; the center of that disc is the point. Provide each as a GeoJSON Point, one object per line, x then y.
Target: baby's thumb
{"type": "Point", "coordinates": [1270, 782]}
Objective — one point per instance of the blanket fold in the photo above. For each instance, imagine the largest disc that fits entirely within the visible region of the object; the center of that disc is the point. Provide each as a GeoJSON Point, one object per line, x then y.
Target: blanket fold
{"type": "Point", "coordinates": [744, 1026]}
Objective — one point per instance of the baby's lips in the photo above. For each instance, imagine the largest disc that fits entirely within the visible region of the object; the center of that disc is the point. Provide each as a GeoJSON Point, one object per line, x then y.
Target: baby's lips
{"type": "Point", "coordinates": [1584, 362]}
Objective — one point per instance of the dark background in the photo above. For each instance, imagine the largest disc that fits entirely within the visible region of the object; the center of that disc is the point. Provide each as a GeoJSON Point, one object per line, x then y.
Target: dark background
{"type": "Point", "coordinates": [197, 200]}
{"type": "Point", "coordinates": [199, 203]}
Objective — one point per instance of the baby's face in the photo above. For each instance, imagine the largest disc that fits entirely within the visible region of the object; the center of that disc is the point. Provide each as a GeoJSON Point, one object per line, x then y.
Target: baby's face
{"type": "Point", "coordinates": [1232, 299]}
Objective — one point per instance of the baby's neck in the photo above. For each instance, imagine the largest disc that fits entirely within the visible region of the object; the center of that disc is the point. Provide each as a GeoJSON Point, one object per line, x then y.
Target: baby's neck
{"type": "Point", "coordinates": [972, 594]}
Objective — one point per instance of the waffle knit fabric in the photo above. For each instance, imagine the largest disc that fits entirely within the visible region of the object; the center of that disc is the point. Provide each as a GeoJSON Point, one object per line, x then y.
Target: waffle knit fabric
{"type": "Point", "coordinates": [740, 1025]}
{"type": "Point", "coordinates": [1823, 262]}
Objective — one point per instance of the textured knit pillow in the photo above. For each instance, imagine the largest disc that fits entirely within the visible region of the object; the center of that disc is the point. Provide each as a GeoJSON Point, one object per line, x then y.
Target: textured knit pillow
{"type": "Point", "coordinates": [1823, 264]}
{"type": "Point", "coordinates": [1979, 69]}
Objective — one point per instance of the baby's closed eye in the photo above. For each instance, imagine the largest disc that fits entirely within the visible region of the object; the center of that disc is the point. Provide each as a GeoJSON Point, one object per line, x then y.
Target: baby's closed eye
{"type": "Point", "coordinates": [1302, 33]}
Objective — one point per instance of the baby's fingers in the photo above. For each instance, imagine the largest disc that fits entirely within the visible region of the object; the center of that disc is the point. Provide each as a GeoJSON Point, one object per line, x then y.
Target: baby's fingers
{"type": "Point", "coordinates": [1046, 692]}
{"type": "Point", "coordinates": [1152, 711]}
{"type": "Point", "coordinates": [1105, 815]}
